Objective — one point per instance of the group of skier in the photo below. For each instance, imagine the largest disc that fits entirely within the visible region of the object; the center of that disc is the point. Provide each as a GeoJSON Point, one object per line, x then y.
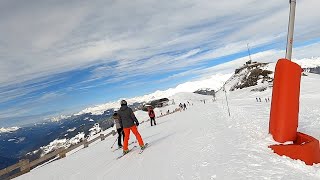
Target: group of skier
{"type": "Point", "coordinates": [126, 121]}
{"type": "Point", "coordinates": [183, 106]}
{"type": "Point", "coordinates": [259, 99]}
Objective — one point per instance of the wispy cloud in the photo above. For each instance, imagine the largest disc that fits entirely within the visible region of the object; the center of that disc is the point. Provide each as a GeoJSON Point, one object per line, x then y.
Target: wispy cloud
{"type": "Point", "coordinates": [188, 54]}
{"type": "Point", "coordinates": [44, 38]}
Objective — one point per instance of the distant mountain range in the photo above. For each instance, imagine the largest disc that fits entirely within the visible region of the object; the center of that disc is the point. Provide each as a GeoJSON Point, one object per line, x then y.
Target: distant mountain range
{"type": "Point", "coordinates": [16, 144]}
{"type": "Point", "coordinates": [20, 143]}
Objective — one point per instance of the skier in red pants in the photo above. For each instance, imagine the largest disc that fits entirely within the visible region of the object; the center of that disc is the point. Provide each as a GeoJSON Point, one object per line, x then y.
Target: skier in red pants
{"type": "Point", "coordinates": [129, 122]}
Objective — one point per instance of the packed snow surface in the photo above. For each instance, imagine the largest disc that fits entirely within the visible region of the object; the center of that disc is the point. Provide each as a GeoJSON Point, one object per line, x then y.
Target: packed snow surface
{"type": "Point", "coordinates": [202, 142]}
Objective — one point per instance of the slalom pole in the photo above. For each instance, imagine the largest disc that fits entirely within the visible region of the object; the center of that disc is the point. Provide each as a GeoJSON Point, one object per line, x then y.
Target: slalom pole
{"type": "Point", "coordinates": [291, 29]}
{"type": "Point", "coordinates": [224, 89]}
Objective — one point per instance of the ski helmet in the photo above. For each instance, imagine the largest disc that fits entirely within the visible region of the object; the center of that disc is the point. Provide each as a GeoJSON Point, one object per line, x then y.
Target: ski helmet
{"type": "Point", "coordinates": [123, 102]}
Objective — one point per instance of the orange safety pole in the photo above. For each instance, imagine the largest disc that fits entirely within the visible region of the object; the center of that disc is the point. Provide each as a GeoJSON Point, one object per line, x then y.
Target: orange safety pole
{"type": "Point", "coordinates": [285, 101]}
{"type": "Point", "coordinates": [286, 91]}
{"type": "Point", "coordinates": [284, 112]}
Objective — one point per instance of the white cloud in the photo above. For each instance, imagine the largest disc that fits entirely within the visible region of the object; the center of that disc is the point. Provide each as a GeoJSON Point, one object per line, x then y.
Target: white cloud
{"type": "Point", "coordinates": [188, 54]}
{"type": "Point", "coordinates": [44, 38]}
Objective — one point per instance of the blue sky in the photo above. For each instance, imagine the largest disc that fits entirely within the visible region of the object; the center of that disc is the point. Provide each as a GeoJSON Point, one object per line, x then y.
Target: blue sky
{"type": "Point", "coordinates": [58, 57]}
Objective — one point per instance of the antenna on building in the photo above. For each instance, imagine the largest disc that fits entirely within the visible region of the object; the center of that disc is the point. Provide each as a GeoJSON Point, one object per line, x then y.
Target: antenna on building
{"type": "Point", "coordinates": [249, 52]}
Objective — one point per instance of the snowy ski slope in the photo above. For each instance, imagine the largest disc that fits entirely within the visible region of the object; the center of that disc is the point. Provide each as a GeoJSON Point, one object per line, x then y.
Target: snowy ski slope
{"type": "Point", "coordinates": [202, 142]}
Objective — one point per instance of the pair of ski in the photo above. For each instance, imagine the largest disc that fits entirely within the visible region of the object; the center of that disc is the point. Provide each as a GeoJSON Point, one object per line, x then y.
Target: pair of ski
{"type": "Point", "coordinates": [140, 152]}
{"type": "Point", "coordinates": [121, 147]}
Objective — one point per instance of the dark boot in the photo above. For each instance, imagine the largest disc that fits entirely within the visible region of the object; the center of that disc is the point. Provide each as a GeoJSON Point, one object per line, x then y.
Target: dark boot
{"type": "Point", "coordinates": [120, 133]}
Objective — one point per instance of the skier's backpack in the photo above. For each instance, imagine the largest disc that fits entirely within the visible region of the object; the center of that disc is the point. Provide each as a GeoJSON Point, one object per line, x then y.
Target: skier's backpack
{"type": "Point", "coordinates": [151, 113]}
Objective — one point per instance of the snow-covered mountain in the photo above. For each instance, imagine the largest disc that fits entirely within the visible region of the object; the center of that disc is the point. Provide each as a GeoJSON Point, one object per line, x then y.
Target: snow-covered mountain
{"type": "Point", "coordinates": [61, 143]}
{"type": "Point", "coordinates": [308, 62]}
{"type": "Point", "coordinates": [67, 142]}
{"type": "Point", "coordinates": [59, 118]}
{"type": "Point", "coordinates": [203, 142]}
{"type": "Point", "coordinates": [214, 82]}
{"type": "Point", "coordinates": [252, 74]}
{"type": "Point", "coordinates": [8, 130]}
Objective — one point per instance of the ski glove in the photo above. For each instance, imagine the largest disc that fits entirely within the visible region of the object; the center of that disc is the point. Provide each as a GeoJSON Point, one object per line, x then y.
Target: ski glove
{"type": "Point", "coordinates": [137, 123]}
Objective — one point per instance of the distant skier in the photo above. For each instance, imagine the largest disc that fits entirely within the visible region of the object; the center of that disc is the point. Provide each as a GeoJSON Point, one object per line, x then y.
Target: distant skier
{"type": "Point", "coordinates": [129, 122]}
{"type": "Point", "coordinates": [204, 101]}
{"type": "Point", "coordinates": [119, 128]}
{"type": "Point", "coordinates": [260, 99]}
{"type": "Point", "coordinates": [180, 105]}
{"type": "Point", "coordinates": [152, 116]}
{"type": "Point", "coordinates": [257, 99]}
{"type": "Point", "coordinates": [184, 106]}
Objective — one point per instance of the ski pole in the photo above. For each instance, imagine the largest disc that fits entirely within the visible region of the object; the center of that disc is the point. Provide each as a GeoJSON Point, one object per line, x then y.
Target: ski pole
{"type": "Point", "coordinates": [114, 142]}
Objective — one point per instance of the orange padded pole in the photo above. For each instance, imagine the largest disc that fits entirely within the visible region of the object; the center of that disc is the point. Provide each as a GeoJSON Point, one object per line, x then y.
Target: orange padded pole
{"type": "Point", "coordinates": [285, 101]}
{"type": "Point", "coordinates": [305, 148]}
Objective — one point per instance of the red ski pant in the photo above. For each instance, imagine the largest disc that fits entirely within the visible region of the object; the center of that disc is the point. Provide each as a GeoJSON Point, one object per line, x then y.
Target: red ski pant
{"type": "Point", "coordinates": [127, 135]}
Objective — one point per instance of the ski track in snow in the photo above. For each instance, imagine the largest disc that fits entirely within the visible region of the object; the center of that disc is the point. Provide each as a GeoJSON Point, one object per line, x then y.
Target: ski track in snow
{"type": "Point", "coordinates": [202, 142]}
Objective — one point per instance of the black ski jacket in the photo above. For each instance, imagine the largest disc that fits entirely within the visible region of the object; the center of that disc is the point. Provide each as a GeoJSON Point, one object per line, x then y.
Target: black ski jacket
{"type": "Point", "coordinates": [126, 116]}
